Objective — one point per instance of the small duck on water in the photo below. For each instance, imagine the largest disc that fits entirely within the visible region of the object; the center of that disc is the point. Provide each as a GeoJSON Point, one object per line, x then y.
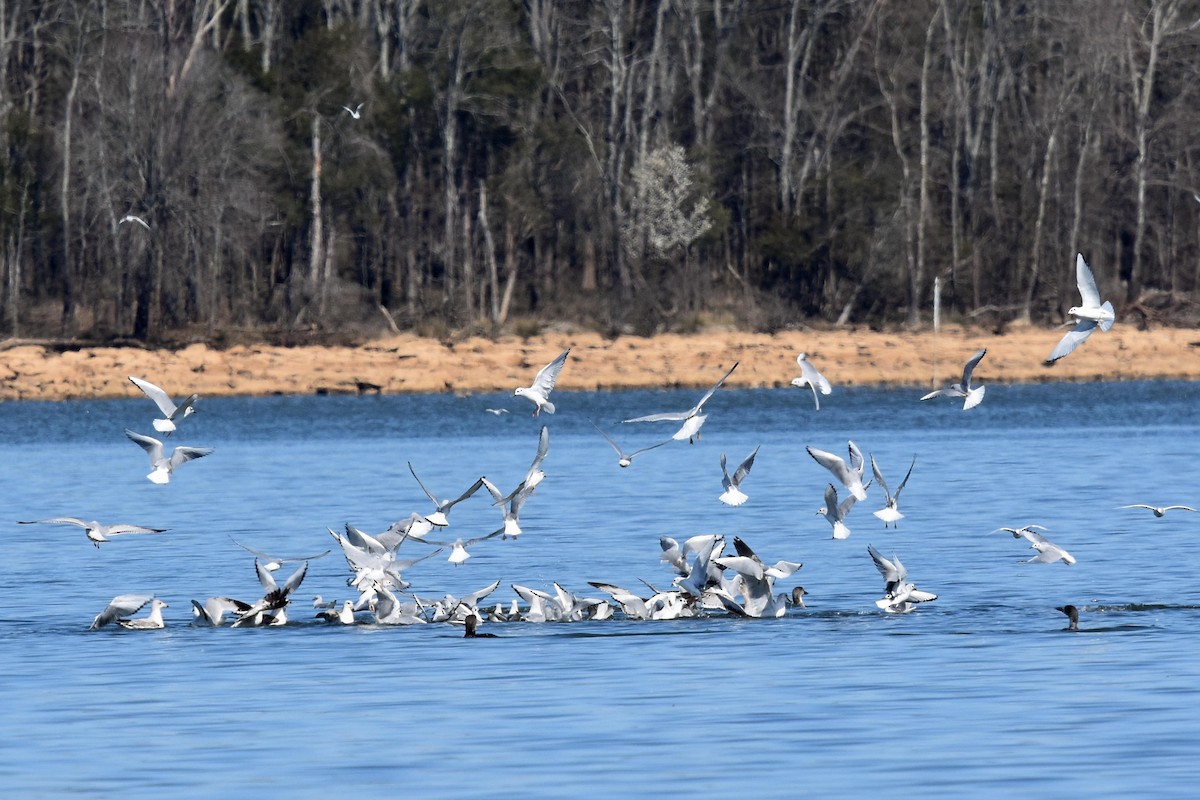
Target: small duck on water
{"type": "Point", "coordinates": [471, 622]}
{"type": "Point", "coordinates": [1072, 614]}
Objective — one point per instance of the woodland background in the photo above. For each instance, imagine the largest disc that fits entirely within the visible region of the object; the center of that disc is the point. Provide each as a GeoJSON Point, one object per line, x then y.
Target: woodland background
{"type": "Point", "coordinates": [625, 165]}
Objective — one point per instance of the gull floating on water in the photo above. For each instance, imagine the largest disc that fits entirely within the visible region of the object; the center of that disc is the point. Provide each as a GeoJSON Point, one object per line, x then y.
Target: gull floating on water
{"type": "Point", "coordinates": [125, 606]}
{"type": "Point", "coordinates": [166, 405]}
{"type": "Point", "coordinates": [345, 616]}
{"type": "Point", "coordinates": [973, 395]}
{"type": "Point", "coordinates": [754, 583]}
{"type": "Point", "coordinates": [543, 384]}
{"type": "Point", "coordinates": [438, 517]}
{"type": "Point", "coordinates": [96, 532]}
{"type": "Point", "coordinates": [899, 595]}
{"type": "Point", "coordinates": [811, 378]}
{"type": "Point", "coordinates": [733, 494]}
{"type": "Point", "coordinates": [836, 514]}
{"type": "Point", "coordinates": [625, 459]}
{"type": "Point", "coordinates": [212, 612]}
{"type": "Point", "coordinates": [692, 418]}
{"type": "Point", "coordinates": [1088, 315]}
{"type": "Point", "coordinates": [1160, 510]}
{"type": "Point", "coordinates": [163, 466]}
{"type": "Point", "coordinates": [850, 475]}
{"type": "Point", "coordinates": [890, 513]}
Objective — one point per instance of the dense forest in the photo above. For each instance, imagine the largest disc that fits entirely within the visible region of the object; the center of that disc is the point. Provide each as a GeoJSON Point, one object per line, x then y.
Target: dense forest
{"type": "Point", "coordinates": [325, 168]}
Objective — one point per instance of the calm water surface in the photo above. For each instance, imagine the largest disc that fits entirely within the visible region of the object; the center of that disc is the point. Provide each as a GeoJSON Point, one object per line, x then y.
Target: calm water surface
{"type": "Point", "coordinates": [977, 694]}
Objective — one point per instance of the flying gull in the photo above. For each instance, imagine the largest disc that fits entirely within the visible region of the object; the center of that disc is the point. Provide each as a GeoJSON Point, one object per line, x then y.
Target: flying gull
{"type": "Point", "coordinates": [543, 384]}
{"type": "Point", "coordinates": [890, 513]}
{"type": "Point", "coordinates": [850, 475]}
{"type": "Point", "coordinates": [1090, 314]}
{"type": "Point", "coordinates": [163, 466]}
{"type": "Point", "coordinates": [173, 413]}
{"type": "Point", "coordinates": [97, 532]}
{"type": "Point", "coordinates": [692, 419]}
{"type": "Point", "coordinates": [625, 459]}
{"type": "Point", "coordinates": [973, 395]}
{"type": "Point", "coordinates": [733, 494]}
{"type": "Point", "coordinates": [811, 378]}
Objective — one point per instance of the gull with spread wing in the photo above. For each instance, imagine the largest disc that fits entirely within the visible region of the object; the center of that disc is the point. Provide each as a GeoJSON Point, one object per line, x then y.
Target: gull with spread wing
{"type": "Point", "coordinates": [438, 517]}
{"type": "Point", "coordinates": [543, 384]}
{"type": "Point", "coordinates": [625, 459]}
{"type": "Point", "coordinates": [890, 513]}
{"type": "Point", "coordinates": [96, 532]}
{"type": "Point", "coordinates": [973, 395]}
{"type": "Point", "coordinates": [811, 378]}
{"type": "Point", "coordinates": [173, 413]}
{"type": "Point", "coordinates": [899, 594]}
{"type": "Point", "coordinates": [733, 494]}
{"type": "Point", "coordinates": [164, 466]}
{"type": "Point", "coordinates": [849, 475]}
{"type": "Point", "coordinates": [1089, 315]}
{"type": "Point", "coordinates": [692, 419]}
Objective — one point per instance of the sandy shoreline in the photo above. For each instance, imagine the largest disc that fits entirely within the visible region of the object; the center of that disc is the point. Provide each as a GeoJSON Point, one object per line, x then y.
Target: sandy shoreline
{"type": "Point", "coordinates": [410, 364]}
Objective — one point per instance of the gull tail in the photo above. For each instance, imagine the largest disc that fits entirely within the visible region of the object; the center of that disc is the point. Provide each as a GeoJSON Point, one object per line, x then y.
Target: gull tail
{"type": "Point", "coordinates": [733, 497]}
{"type": "Point", "coordinates": [1108, 321]}
{"type": "Point", "coordinates": [548, 407]}
{"type": "Point", "coordinates": [840, 531]}
{"type": "Point", "coordinates": [164, 426]}
{"type": "Point", "coordinates": [974, 397]}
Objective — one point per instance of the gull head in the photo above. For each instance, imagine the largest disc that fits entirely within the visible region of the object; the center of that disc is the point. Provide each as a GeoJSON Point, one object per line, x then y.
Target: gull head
{"type": "Point", "coordinates": [623, 462]}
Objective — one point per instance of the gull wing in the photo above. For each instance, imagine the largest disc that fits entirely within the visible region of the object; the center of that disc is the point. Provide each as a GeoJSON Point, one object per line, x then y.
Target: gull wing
{"type": "Point", "coordinates": [856, 459]}
{"type": "Point", "coordinates": [161, 399]}
{"type": "Point", "coordinates": [831, 462]}
{"type": "Point", "coordinates": [58, 521]}
{"type": "Point", "coordinates": [831, 501]}
{"type": "Point", "coordinates": [152, 446]}
{"type": "Point", "coordinates": [428, 493]}
{"type": "Point", "coordinates": [610, 441]}
{"type": "Point", "coordinates": [651, 447]}
{"type": "Point", "coordinates": [542, 451]}
{"type": "Point", "coordinates": [474, 488]}
{"type": "Point", "coordinates": [815, 379]}
{"type": "Point", "coordinates": [673, 416]}
{"type": "Point", "coordinates": [181, 455]}
{"type": "Point", "coordinates": [709, 393]}
{"type": "Point", "coordinates": [970, 367]}
{"type": "Point", "coordinates": [547, 375]}
{"type": "Point", "coordinates": [1088, 292]}
{"type": "Point", "coordinates": [744, 469]}
{"type": "Point", "coordinates": [121, 527]}
{"type": "Point", "coordinates": [904, 482]}
{"type": "Point", "coordinates": [479, 539]}
{"type": "Point", "coordinates": [892, 571]}
{"type": "Point", "coordinates": [1073, 338]}
{"type": "Point", "coordinates": [284, 560]}
{"type": "Point", "coordinates": [123, 605]}
{"type": "Point", "coordinates": [879, 478]}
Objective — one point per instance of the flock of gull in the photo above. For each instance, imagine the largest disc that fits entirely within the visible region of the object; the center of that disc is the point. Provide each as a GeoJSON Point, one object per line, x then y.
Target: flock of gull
{"type": "Point", "coordinates": [706, 577]}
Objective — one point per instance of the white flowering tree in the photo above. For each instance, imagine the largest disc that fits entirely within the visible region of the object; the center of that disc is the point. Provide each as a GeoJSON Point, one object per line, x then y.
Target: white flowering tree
{"type": "Point", "coordinates": [665, 212]}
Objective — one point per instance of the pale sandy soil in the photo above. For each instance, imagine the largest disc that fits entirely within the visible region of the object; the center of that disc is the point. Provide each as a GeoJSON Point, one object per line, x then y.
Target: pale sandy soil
{"type": "Point", "coordinates": [414, 364]}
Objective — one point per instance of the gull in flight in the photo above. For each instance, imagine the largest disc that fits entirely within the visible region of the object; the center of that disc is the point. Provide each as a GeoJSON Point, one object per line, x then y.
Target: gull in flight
{"type": "Point", "coordinates": [625, 459]}
{"type": "Point", "coordinates": [134, 218]}
{"type": "Point", "coordinates": [438, 517]}
{"type": "Point", "coordinates": [889, 513]}
{"type": "Point", "coordinates": [97, 532]}
{"type": "Point", "coordinates": [836, 514]}
{"type": "Point", "coordinates": [692, 419]}
{"type": "Point", "coordinates": [355, 112]}
{"type": "Point", "coordinates": [511, 506]}
{"type": "Point", "coordinates": [163, 466]}
{"type": "Point", "coordinates": [458, 551]}
{"type": "Point", "coordinates": [1160, 510]}
{"type": "Point", "coordinates": [543, 384]}
{"type": "Point", "coordinates": [811, 378]}
{"type": "Point", "coordinates": [733, 494]}
{"type": "Point", "coordinates": [167, 406]}
{"type": "Point", "coordinates": [899, 595]}
{"type": "Point", "coordinates": [125, 606]}
{"type": "Point", "coordinates": [1088, 315]}
{"type": "Point", "coordinates": [495, 412]}
{"type": "Point", "coordinates": [1048, 551]}
{"type": "Point", "coordinates": [973, 395]}
{"type": "Point", "coordinates": [850, 475]}
{"type": "Point", "coordinates": [272, 563]}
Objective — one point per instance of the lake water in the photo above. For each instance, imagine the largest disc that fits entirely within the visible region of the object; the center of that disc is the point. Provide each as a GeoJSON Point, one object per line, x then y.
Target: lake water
{"type": "Point", "coordinates": [980, 693]}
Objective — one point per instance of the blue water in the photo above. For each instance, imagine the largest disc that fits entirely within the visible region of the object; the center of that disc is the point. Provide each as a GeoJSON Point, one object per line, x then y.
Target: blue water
{"type": "Point", "coordinates": [977, 694]}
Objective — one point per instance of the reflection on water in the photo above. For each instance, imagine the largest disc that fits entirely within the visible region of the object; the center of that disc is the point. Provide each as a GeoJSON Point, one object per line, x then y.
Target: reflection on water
{"type": "Point", "coordinates": [978, 692]}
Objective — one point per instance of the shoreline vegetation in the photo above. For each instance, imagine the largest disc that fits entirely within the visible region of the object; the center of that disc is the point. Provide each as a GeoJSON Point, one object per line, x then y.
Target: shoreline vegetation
{"type": "Point", "coordinates": [409, 363]}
